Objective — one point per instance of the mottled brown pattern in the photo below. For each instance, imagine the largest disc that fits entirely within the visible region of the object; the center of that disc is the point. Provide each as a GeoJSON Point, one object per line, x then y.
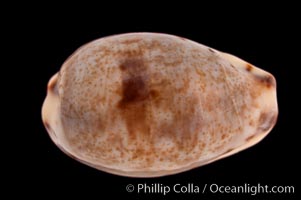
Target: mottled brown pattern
{"type": "Point", "coordinates": [147, 104]}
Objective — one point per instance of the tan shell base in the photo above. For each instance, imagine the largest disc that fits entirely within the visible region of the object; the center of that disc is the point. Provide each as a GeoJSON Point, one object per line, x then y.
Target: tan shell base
{"type": "Point", "coordinates": [149, 104]}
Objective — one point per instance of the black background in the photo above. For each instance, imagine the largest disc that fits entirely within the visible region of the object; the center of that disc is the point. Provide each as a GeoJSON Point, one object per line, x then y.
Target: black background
{"type": "Point", "coordinates": [265, 37]}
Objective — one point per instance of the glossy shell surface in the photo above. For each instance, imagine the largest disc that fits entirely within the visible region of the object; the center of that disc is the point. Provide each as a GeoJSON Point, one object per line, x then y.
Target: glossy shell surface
{"type": "Point", "coordinates": [149, 104]}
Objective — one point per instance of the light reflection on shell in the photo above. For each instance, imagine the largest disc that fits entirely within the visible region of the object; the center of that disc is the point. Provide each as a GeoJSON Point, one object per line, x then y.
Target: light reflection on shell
{"type": "Point", "coordinates": [149, 104]}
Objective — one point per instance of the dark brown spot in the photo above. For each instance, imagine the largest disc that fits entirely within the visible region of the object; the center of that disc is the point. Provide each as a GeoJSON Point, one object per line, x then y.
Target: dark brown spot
{"type": "Point", "coordinates": [154, 94]}
{"type": "Point", "coordinates": [266, 121]}
{"type": "Point", "coordinates": [249, 67]}
{"type": "Point", "coordinates": [267, 80]}
{"type": "Point", "coordinates": [134, 101]}
{"type": "Point", "coordinates": [134, 81]}
{"type": "Point", "coordinates": [134, 89]}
